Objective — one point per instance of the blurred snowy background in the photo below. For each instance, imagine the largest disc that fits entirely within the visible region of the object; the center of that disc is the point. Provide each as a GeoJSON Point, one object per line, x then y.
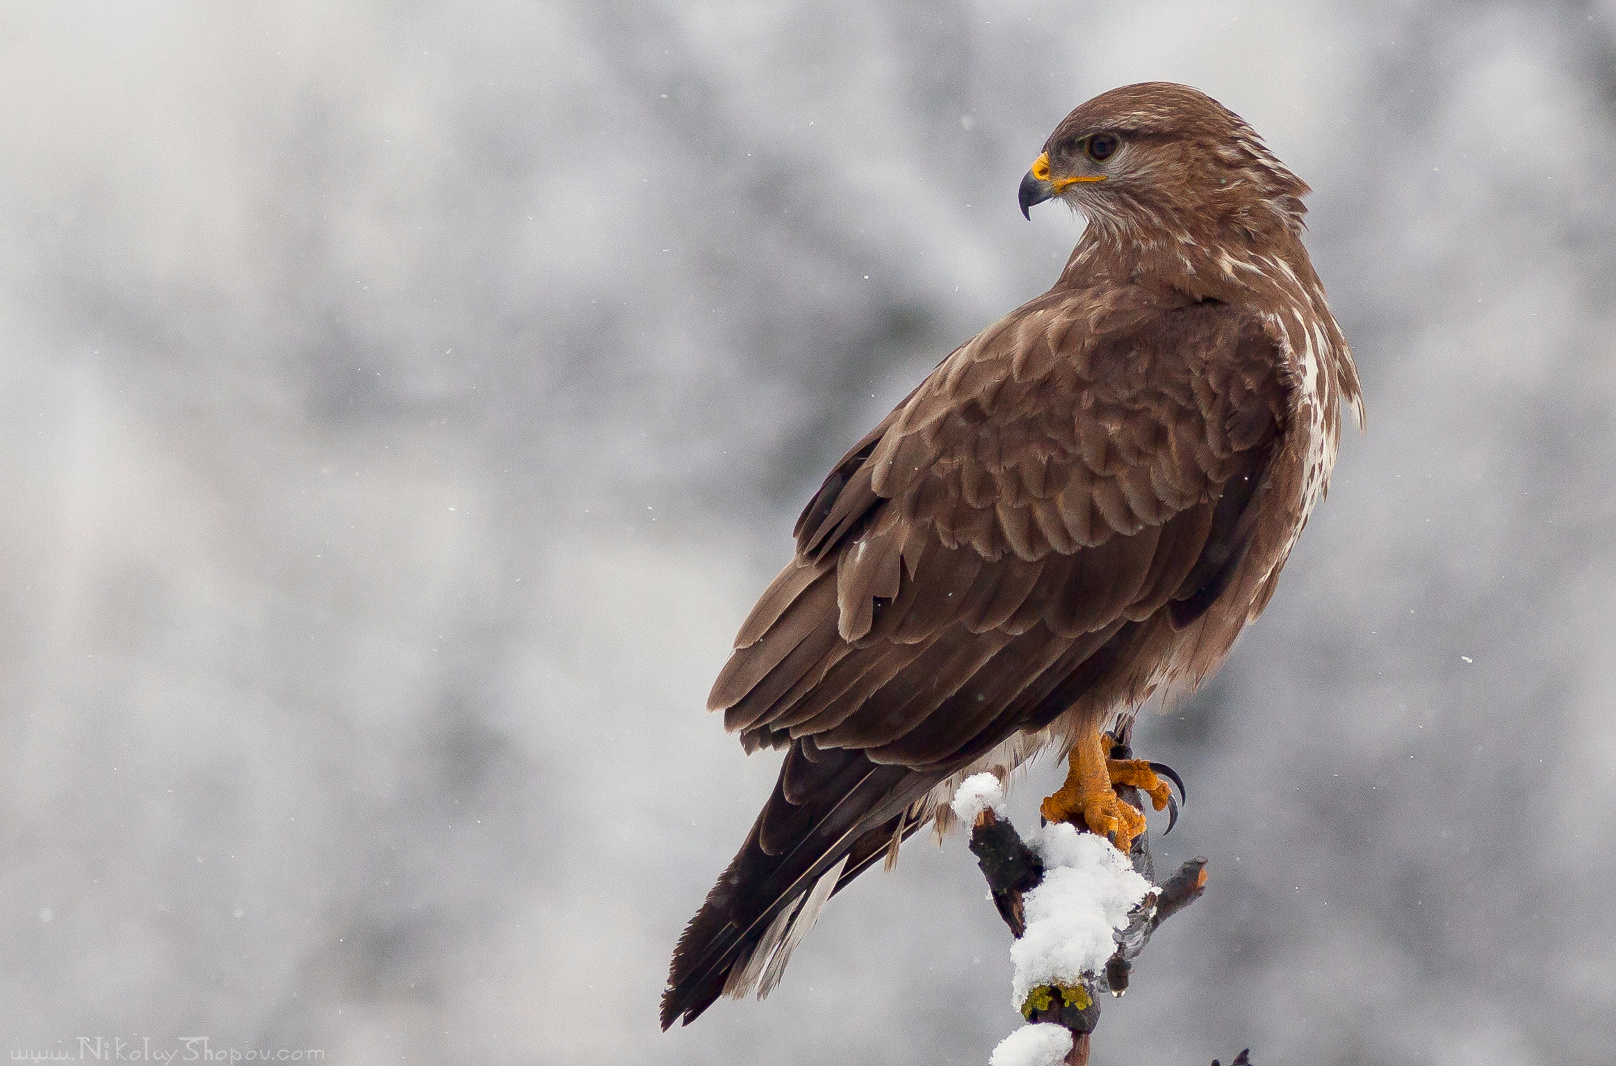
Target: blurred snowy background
{"type": "Point", "coordinates": [402, 404]}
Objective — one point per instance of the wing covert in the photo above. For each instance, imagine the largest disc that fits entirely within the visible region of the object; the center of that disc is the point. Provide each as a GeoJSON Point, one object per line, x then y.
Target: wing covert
{"type": "Point", "coordinates": [1050, 480]}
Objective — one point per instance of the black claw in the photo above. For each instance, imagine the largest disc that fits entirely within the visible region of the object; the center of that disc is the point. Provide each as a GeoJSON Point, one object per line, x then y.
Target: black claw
{"type": "Point", "coordinates": [1166, 771]}
{"type": "Point", "coordinates": [1172, 814]}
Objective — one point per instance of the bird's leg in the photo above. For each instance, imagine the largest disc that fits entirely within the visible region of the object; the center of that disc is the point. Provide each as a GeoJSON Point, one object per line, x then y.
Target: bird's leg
{"type": "Point", "coordinates": [1088, 798]}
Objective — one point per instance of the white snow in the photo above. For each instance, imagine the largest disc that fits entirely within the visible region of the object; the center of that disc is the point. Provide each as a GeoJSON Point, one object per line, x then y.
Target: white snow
{"type": "Point", "coordinates": [978, 793]}
{"type": "Point", "coordinates": [1044, 1044]}
{"type": "Point", "coordinates": [1085, 896]}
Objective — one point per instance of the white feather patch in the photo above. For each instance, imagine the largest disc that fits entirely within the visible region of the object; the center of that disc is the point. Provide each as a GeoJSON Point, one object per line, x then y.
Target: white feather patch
{"type": "Point", "coordinates": [806, 917]}
{"type": "Point", "coordinates": [744, 978]}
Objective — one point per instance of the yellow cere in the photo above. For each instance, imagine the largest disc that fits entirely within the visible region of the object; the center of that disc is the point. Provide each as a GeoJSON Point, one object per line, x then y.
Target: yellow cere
{"type": "Point", "coordinates": [1040, 170]}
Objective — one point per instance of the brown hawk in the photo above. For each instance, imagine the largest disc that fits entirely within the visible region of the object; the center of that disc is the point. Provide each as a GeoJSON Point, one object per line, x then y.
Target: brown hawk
{"type": "Point", "coordinates": [1080, 507]}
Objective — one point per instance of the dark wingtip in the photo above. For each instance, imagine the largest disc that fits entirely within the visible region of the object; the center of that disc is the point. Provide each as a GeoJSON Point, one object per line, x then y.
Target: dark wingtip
{"type": "Point", "coordinates": [684, 1005]}
{"type": "Point", "coordinates": [670, 1008]}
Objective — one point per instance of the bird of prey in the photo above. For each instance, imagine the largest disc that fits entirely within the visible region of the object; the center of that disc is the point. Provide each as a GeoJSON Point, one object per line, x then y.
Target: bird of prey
{"type": "Point", "coordinates": [1080, 507]}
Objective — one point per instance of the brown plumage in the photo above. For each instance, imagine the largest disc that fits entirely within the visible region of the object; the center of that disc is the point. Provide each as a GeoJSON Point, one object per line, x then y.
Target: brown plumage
{"type": "Point", "coordinates": [1078, 508]}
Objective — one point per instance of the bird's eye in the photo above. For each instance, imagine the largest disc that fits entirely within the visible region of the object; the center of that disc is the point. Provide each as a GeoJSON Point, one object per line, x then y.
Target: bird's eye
{"type": "Point", "coordinates": [1101, 146]}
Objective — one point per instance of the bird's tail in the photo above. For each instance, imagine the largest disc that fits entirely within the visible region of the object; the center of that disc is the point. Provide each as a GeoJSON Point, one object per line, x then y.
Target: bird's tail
{"type": "Point", "coordinates": [832, 814]}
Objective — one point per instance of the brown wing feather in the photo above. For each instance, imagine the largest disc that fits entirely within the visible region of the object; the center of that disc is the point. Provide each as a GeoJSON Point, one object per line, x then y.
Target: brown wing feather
{"type": "Point", "coordinates": [1100, 486]}
{"type": "Point", "coordinates": [845, 497]}
{"type": "Point", "coordinates": [1029, 529]}
{"type": "Point", "coordinates": [846, 687]}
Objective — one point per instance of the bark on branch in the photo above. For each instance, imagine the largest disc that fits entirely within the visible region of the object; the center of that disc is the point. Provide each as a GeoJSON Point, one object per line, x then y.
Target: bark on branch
{"type": "Point", "coordinates": [1013, 869]}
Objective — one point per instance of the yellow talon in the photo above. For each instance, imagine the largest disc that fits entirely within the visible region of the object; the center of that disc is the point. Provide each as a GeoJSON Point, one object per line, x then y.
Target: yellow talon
{"type": "Point", "coordinates": [1138, 774]}
{"type": "Point", "coordinates": [1088, 799]}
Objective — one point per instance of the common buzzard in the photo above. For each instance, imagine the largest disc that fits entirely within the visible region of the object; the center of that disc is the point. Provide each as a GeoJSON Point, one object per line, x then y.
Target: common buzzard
{"type": "Point", "coordinates": [1080, 507]}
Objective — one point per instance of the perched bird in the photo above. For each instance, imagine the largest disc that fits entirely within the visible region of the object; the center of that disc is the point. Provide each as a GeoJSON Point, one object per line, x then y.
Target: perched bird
{"type": "Point", "coordinates": [1080, 507]}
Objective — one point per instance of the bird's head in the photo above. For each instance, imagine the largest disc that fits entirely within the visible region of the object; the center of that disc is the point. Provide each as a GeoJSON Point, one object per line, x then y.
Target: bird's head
{"type": "Point", "coordinates": [1159, 156]}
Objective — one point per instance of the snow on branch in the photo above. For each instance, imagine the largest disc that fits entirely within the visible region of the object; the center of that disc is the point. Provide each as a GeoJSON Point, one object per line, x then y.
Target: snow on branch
{"type": "Point", "coordinates": [1080, 912]}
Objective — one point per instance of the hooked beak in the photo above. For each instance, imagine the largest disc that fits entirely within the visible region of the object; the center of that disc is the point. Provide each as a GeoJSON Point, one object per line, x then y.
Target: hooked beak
{"type": "Point", "coordinates": [1037, 185]}
{"type": "Point", "coordinates": [1033, 191]}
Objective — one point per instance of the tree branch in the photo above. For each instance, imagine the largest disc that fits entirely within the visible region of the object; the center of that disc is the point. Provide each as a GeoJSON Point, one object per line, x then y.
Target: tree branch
{"type": "Point", "coordinates": [1013, 869]}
